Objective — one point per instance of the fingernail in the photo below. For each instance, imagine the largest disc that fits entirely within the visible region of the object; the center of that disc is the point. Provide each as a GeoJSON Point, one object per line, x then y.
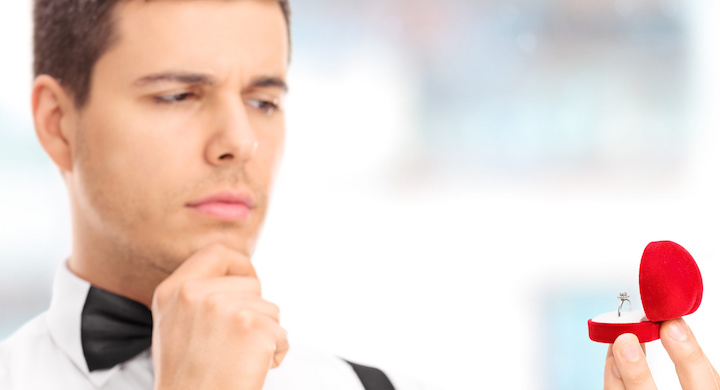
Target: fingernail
{"type": "Point", "coordinates": [677, 332]}
{"type": "Point", "coordinates": [631, 352]}
{"type": "Point", "coordinates": [684, 324]}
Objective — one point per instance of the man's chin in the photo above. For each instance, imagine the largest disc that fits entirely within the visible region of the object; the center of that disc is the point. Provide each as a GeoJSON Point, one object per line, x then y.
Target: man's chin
{"type": "Point", "coordinates": [166, 257]}
{"type": "Point", "coordinates": [241, 244]}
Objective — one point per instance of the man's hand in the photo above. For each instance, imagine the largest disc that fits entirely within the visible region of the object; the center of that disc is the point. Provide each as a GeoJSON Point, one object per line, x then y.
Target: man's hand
{"type": "Point", "coordinates": [212, 329]}
{"type": "Point", "coordinates": [626, 367]}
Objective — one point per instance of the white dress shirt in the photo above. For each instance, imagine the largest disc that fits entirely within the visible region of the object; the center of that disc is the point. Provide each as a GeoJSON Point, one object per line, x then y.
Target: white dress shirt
{"type": "Point", "coordinates": [46, 353]}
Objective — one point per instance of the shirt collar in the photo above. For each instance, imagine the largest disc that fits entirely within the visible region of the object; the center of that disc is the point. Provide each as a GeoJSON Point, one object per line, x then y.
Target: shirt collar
{"type": "Point", "coordinates": [64, 320]}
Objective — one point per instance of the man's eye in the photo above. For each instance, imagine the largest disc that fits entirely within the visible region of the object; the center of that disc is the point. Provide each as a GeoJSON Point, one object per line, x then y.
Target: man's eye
{"type": "Point", "coordinates": [266, 106]}
{"type": "Point", "coordinates": [174, 98]}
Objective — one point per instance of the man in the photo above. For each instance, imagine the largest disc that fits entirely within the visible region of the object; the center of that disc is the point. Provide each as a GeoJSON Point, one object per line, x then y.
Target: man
{"type": "Point", "coordinates": [165, 120]}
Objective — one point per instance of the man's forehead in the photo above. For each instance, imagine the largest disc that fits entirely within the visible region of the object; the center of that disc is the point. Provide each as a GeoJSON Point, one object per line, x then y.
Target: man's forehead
{"type": "Point", "coordinates": [206, 36]}
{"type": "Point", "coordinates": [152, 6]}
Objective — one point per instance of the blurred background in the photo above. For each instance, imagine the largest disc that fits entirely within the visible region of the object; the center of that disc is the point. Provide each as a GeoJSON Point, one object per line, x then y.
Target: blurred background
{"type": "Point", "coordinates": [466, 183]}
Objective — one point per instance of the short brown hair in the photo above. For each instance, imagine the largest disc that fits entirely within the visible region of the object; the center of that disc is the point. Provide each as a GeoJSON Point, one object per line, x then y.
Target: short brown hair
{"type": "Point", "coordinates": [71, 35]}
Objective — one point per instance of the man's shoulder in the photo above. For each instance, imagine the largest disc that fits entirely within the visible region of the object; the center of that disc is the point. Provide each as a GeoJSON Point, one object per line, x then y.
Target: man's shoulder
{"type": "Point", "coordinates": [16, 351]}
{"type": "Point", "coordinates": [33, 334]}
{"type": "Point", "coordinates": [25, 352]}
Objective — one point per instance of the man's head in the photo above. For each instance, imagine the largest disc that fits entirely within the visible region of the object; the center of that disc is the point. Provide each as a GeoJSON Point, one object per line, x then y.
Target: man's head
{"type": "Point", "coordinates": [165, 118]}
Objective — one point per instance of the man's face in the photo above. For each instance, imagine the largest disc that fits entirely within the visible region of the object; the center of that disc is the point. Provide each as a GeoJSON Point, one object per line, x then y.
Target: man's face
{"type": "Point", "coordinates": [181, 135]}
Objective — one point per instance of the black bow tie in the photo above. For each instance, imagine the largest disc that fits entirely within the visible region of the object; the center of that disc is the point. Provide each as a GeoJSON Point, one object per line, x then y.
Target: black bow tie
{"type": "Point", "coordinates": [114, 329]}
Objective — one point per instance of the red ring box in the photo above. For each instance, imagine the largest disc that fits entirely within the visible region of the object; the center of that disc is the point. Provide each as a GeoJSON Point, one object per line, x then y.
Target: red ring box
{"type": "Point", "coordinates": [670, 287]}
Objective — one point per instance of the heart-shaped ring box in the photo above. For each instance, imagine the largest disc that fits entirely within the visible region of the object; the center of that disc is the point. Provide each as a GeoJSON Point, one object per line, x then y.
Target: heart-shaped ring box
{"type": "Point", "coordinates": [670, 287]}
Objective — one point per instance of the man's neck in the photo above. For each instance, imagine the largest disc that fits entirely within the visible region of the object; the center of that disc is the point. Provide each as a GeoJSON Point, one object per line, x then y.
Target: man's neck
{"type": "Point", "coordinates": [120, 271]}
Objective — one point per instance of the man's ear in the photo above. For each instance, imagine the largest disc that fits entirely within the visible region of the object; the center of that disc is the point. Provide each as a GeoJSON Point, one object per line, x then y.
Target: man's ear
{"type": "Point", "coordinates": [54, 117]}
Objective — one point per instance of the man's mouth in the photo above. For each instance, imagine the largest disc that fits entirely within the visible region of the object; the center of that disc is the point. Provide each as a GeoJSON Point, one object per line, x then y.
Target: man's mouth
{"type": "Point", "coordinates": [225, 205]}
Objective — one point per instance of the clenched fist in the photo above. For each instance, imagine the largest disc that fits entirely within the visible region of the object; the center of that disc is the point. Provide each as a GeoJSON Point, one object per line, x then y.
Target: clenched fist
{"type": "Point", "coordinates": [212, 328]}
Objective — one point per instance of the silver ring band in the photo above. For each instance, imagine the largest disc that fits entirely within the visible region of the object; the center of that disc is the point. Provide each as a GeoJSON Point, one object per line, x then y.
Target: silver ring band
{"type": "Point", "coordinates": [624, 297]}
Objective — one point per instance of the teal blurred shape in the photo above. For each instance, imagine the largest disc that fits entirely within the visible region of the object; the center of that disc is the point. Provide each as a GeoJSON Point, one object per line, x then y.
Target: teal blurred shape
{"type": "Point", "coordinates": [569, 359]}
{"type": "Point", "coordinates": [17, 141]}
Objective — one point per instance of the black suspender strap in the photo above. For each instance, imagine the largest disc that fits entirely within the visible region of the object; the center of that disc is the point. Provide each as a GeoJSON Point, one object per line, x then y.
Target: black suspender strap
{"type": "Point", "coordinates": [372, 378]}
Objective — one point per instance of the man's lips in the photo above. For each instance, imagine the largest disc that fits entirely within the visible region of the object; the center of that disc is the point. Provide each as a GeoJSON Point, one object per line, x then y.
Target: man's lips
{"type": "Point", "coordinates": [229, 206]}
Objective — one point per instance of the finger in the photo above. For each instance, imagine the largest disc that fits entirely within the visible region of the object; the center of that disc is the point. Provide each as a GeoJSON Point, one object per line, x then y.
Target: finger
{"type": "Point", "coordinates": [232, 285]}
{"type": "Point", "coordinates": [693, 368]}
{"type": "Point", "coordinates": [613, 381]}
{"type": "Point", "coordinates": [631, 363]}
{"type": "Point", "coordinates": [257, 357]}
{"type": "Point", "coordinates": [223, 301]}
{"type": "Point", "coordinates": [213, 261]}
{"type": "Point", "coordinates": [269, 342]}
{"type": "Point", "coordinates": [283, 345]}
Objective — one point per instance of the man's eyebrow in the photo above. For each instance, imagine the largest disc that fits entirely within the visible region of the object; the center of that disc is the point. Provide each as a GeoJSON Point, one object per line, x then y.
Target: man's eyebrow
{"type": "Point", "coordinates": [175, 77]}
{"type": "Point", "coordinates": [204, 79]}
{"type": "Point", "coordinates": [275, 82]}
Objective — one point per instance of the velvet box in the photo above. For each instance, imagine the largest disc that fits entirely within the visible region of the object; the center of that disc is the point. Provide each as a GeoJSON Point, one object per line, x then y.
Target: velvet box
{"type": "Point", "coordinates": [670, 287]}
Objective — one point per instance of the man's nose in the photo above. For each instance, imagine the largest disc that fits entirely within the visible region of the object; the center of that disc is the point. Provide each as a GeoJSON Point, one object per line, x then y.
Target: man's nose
{"type": "Point", "coordinates": [233, 140]}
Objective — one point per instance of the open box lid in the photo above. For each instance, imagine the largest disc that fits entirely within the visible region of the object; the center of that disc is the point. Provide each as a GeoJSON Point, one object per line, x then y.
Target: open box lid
{"type": "Point", "coordinates": [670, 282]}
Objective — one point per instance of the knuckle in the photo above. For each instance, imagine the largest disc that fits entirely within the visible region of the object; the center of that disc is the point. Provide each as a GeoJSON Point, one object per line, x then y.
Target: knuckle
{"type": "Point", "coordinates": [215, 303]}
{"type": "Point", "coordinates": [255, 286]}
{"type": "Point", "coordinates": [188, 292]}
{"type": "Point", "coordinates": [245, 319]}
{"type": "Point", "coordinates": [162, 294]}
{"type": "Point", "coordinates": [695, 356]}
{"type": "Point", "coordinates": [274, 309]}
{"type": "Point", "coordinates": [640, 379]}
